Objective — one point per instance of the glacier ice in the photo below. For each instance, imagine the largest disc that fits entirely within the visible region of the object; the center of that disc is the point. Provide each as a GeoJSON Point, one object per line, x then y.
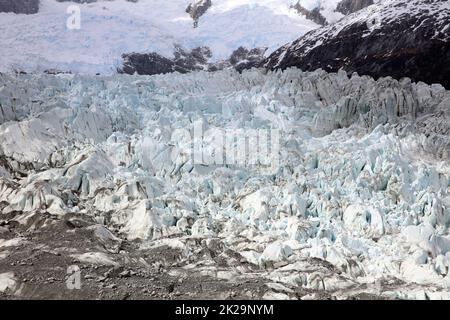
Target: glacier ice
{"type": "Point", "coordinates": [361, 193]}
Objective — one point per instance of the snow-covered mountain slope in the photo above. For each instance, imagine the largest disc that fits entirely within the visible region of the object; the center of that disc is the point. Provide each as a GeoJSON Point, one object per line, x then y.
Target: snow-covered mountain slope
{"type": "Point", "coordinates": [358, 199]}
{"type": "Point", "coordinates": [112, 28]}
{"type": "Point", "coordinates": [399, 38]}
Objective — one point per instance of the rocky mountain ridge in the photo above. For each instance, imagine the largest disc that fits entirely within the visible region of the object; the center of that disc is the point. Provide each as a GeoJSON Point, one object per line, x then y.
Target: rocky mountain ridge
{"type": "Point", "coordinates": [397, 38]}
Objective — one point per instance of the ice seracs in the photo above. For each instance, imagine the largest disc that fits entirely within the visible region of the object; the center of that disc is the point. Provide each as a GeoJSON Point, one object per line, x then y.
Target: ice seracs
{"type": "Point", "coordinates": [360, 194]}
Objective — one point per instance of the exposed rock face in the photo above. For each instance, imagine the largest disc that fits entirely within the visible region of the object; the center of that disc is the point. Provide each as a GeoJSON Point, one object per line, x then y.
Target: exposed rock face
{"type": "Point", "coordinates": [185, 61]}
{"type": "Point", "coordinates": [19, 6]}
{"type": "Point", "coordinates": [198, 8]}
{"type": "Point", "coordinates": [313, 15]}
{"type": "Point", "coordinates": [152, 63]}
{"type": "Point", "coordinates": [241, 59]}
{"type": "Point", "coordinates": [194, 60]}
{"type": "Point", "coordinates": [350, 6]}
{"type": "Point", "coordinates": [146, 63]}
{"type": "Point", "coordinates": [399, 39]}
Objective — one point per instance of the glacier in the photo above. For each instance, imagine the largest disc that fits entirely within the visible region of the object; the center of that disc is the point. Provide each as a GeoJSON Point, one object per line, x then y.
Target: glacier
{"type": "Point", "coordinates": [359, 201]}
{"type": "Point", "coordinates": [108, 29]}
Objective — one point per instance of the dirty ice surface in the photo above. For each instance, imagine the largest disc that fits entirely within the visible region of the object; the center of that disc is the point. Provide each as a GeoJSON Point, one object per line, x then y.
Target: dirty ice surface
{"type": "Point", "coordinates": [359, 184]}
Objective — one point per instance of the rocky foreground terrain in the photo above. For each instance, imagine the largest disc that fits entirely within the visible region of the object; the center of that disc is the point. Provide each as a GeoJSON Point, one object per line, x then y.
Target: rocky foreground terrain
{"type": "Point", "coordinates": [100, 173]}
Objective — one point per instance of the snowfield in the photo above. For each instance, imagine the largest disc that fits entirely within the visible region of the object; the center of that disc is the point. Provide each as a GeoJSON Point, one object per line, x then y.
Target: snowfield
{"type": "Point", "coordinates": [111, 28]}
{"type": "Point", "coordinates": [359, 200]}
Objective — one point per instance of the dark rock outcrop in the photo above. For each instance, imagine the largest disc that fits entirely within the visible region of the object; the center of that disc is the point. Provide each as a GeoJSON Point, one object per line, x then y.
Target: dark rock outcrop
{"type": "Point", "coordinates": [194, 60]}
{"type": "Point", "coordinates": [243, 59]}
{"type": "Point", "coordinates": [19, 6]}
{"type": "Point", "coordinates": [185, 61]}
{"type": "Point", "coordinates": [152, 63]}
{"type": "Point", "coordinates": [410, 38]}
{"type": "Point", "coordinates": [146, 64]}
{"type": "Point", "coordinates": [313, 15]}
{"type": "Point", "coordinates": [349, 6]}
{"type": "Point", "coordinates": [198, 8]}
